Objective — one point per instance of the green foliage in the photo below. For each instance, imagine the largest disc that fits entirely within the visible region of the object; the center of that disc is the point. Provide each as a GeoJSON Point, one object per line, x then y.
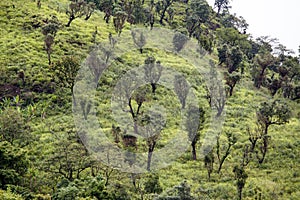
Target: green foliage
{"type": "Point", "coordinates": [13, 164]}
{"type": "Point", "coordinates": [8, 195]}
{"type": "Point", "coordinates": [13, 127]}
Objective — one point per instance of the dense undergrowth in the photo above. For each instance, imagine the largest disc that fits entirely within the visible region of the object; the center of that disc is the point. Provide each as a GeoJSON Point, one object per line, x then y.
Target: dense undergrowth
{"type": "Point", "coordinates": [42, 157]}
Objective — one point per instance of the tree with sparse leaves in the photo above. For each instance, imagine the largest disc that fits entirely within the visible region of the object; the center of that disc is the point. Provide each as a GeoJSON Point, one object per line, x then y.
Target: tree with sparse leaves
{"type": "Point", "coordinates": [274, 112]}
{"type": "Point", "coordinates": [181, 88]}
{"type": "Point", "coordinates": [153, 72]}
{"type": "Point", "coordinates": [139, 39]}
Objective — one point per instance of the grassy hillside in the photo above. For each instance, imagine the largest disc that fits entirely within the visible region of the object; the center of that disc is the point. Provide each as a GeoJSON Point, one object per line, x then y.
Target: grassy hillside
{"type": "Point", "coordinates": [36, 112]}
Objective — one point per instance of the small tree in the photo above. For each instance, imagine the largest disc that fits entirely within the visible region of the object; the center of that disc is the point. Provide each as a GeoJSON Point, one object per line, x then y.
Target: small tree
{"type": "Point", "coordinates": [153, 72]}
{"type": "Point", "coordinates": [194, 124]}
{"type": "Point", "coordinates": [119, 21]}
{"type": "Point", "coordinates": [274, 112]}
{"type": "Point", "coordinates": [240, 176]}
{"type": "Point", "coordinates": [231, 80]}
{"type": "Point", "coordinates": [181, 88]}
{"type": "Point", "coordinates": [209, 163]}
{"type": "Point", "coordinates": [179, 40]}
{"type": "Point", "coordinates": [231, 140]}
{"type": "Point", "coordinates": [76, 9]}
{"type": "Point", "coordinates": [65, 72]}
{"type": "Point", "coordinates": [139, 39]}
{"type": "Point", "coordinates": [221, 5]}
{"type": "Point", "coordinates": [164, 5]}
{"type": "Point", "coordinates": [49, 41]}
{"type": "Point", "coordinates": [89, 9]}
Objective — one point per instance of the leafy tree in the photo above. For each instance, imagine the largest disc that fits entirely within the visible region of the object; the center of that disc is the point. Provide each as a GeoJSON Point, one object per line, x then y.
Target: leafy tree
{"type": "Point", "coordinates": [223, 54]}
{"type": "Point", "coordinates": [14, 164]}
{"type": "Point", "coordinates": [65, 72]}
{"type": "Point", "coordinates": [209, 163]}
{"type": "Point", "coordinates": [153, 72]}
{"type": "Point", "coordinates": [181, 88]}
{"type": "Point", "coordinates": [8, 195]}
{"type": "Point", "coordinates": [236, 57]}
{"type": "Point", "coordinates": [194, 124]}
{"type": "Point", "coordinates": [139, 39]}
{"type": "Point", "coordinates": [152, 126]}
{"type": "Point", "coordinates": [196, 14]}
{"type": "Point", "coordinates": [119, 20]}
{"type": "Point", "coordinates": [89, 9]}
{"type": "Point", "coordinates": [76, 9]}
{"type": "Point", "coordinates": [240, 176]}
{"type": "Point", "coordinates": [13, 127]}
{"type": "Point", "coordinates": [274, 112]}
{"type": "Point", "coordinates": [262, 62]}
{"type": "Point", "coordinates": [106, 6]}
{"type": "Point", "coordinates": [231, 80]}
{"type": "Point", "coordinates": [232, 37]}
{"type": "Point", "coordinates": [51, 27]}
{"type": "Point", "coordinates": [162, 7]}
{"type": "Point", "coordinates": [221, 5]}
{"type": "Point", "coordinates": [179, 40]}
{"type": "Point", "coordinates": [152, 184]}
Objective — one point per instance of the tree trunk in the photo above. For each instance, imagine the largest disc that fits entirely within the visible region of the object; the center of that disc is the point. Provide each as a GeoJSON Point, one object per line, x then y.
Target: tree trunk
{"type": "Point", "coordinates": [70, 21]}
{"type": "Point", "coordinates": [194, 151]}
{"type": "Point", "coordinates": [240, 190]}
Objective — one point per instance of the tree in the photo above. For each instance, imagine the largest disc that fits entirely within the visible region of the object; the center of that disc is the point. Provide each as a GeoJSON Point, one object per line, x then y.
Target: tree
{"type": "Point", "coordinates": [139, 39]}
{"type": "Point", "coordinates": [181, 88]}
{"type": "Point", "coordinates": [179, 40]}
{"type": "Point", "coordinates": [153, 72]}
{"type": "Point", "coordinates": [262, 62]}
{"type": "Point", "coordinates": [65, 72]}
{"type": "Point", "coordinates": [49, 41]}
{"type": "Point", "coordinates": [231, 140]}
{"type": "Point", "coordinates": [215, 91]}
{"type": "Point", "coordinates": [209, 163]}
{"type": "Point", "coordinates": [236, 57]}
{"type": "Point", "coordinates": [76, 9]}
{"type": "Point", "coordinates": [221, 5]}
{"type": "Point", "coordinates": [49, 30]}
{"type": "Point", "coordinates": [106, 6]}
{"type": "Point", "coordinates": [152, 125]}
{"type": "Point", "coordinates": [240, 176]}
{"type": "Point", "coordinates": [119, 21]}
{"type": "Point", "coordinates": [164, 5]}
{"type": "Point", "coordinates": [89, 8]}
{"type": "Point", "coordinates": [68, 157]}
{"type": "Point", "coordinates": [13, 127]}
{"type": "Point", "coordinates": [223, 54]}
{"type": "Point", "coordinates": [232, 80]}
{"type": "Point", "coordinates": [194, 124]}
{"type": "Point", "coordinates": [274, 112]}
